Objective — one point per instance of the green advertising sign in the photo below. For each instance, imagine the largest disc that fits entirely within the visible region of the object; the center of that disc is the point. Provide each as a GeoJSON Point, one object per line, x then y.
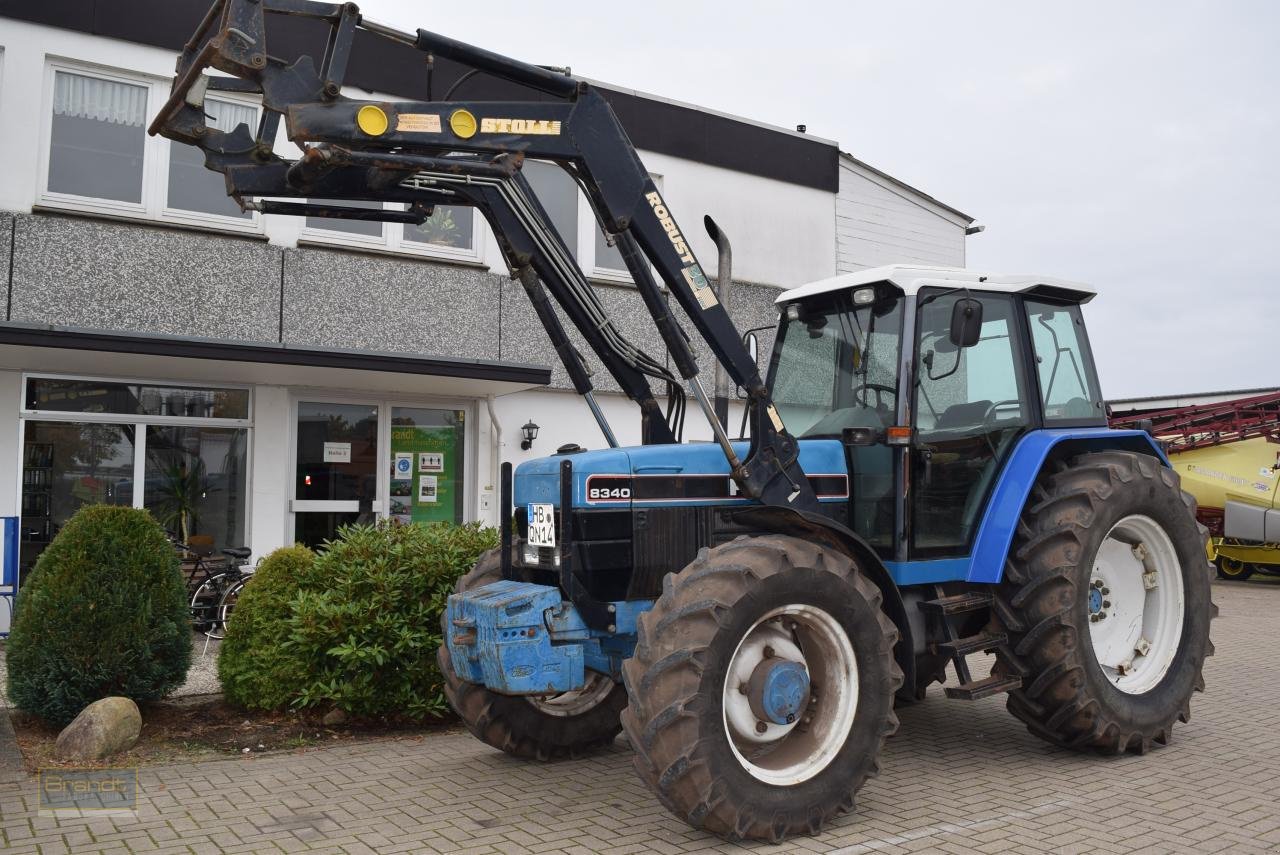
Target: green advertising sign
{"type": "Point", "coordinates": [426, 474]}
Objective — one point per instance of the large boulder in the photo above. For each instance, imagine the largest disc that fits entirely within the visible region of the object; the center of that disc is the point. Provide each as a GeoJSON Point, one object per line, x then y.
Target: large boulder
{"type": "Point", "coordinates": [103, 728]}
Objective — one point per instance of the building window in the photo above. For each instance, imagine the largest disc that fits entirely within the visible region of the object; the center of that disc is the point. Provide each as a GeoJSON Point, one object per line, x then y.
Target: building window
{"type": "Point", "coordinates": [98, 156]}
{"type": "Point", "coordinates": [558, 193]}
{"type": "Point", "coordinates": [192, 187]}
{"type": "Point", "coordinates": [365, 229]}
{"type": "Point", "coordinates": [448, 226]}
{"type": "Point", "coordinates": [98, 138]}
{"type": "Point", "coordinates": [566, 207]}
{"type": "Point", "coordinates": [180, 452]}
{"type": "Point", "coordinates": [448, 233]}
{"type": "Point", "coordinates": [71, 395]}
{"type": "Point", "coordinates": [607, 262]}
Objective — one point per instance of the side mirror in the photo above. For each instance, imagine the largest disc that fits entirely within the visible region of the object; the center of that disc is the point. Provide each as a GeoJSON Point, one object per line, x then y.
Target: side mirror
{"type": "Point", "coordinates": [752, 344]}
{"type": "Point", "coordinates": [966, 322]}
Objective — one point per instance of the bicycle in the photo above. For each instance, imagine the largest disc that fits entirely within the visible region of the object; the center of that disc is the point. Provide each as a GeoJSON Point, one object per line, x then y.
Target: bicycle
{"type": "Point", "coordinates": [213, 585]}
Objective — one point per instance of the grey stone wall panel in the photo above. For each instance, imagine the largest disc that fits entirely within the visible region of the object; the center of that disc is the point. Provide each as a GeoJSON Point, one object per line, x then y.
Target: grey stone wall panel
{"type": "Point", "coordinates": [750, 306]}
{"type": "Point", "coordinates": [6, 249]}
{"type": "Point", "coordinates": [345, 299]}
{"type": "Point", "coordinates": [525, 340]}
{"type": "Point", "coordinates": [80, 272]}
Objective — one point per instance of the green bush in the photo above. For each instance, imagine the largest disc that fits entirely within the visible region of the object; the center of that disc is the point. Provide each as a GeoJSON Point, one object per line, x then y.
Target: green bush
{"type": "Point", "coordinates": [254, 666]}
{"type": "Point", "coordinates": [356, 627]}
{"type": "Point", "coordinates": [103, 613]}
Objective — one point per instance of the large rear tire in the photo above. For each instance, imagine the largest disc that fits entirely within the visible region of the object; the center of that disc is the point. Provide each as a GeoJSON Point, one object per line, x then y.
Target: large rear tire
{"type": "Point", "coordinates": [738, 618]}
{"type": "Point", "coordinates": [1106, 601]}
{"type": "Point", "coordinates": [551, 728]}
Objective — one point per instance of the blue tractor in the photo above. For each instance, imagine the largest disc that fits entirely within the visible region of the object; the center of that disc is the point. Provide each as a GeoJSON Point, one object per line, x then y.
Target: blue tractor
{"type": "Point", "coordinates": [924, 473]}
{"type": "Point", "coordinates": [972, 501]}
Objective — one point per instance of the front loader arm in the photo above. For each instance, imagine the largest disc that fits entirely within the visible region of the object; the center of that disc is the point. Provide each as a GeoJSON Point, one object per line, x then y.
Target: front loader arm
{"type": "Point", "coordinates": [581, 133]}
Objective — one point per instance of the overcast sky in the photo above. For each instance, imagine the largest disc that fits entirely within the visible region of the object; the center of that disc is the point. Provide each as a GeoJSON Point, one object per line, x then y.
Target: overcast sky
{"type": "Point", "coordinates": [1134, 146]}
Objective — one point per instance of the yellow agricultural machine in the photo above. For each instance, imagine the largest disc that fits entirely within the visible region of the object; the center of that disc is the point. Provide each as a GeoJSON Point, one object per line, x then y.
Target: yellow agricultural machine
{"type": "Point", "coordinates": [1228, 455]}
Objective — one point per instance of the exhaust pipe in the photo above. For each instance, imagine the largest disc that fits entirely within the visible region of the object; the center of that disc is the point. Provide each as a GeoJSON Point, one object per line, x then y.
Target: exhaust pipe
{"type": "Point", "coordinates": [724, 285]}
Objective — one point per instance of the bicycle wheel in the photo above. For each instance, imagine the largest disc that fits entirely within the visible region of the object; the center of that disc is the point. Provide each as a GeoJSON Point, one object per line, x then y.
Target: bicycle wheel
{"type": "Point", "coordinates": [228, 604]}
{"type": "Point", "coordinates": [205, 603]}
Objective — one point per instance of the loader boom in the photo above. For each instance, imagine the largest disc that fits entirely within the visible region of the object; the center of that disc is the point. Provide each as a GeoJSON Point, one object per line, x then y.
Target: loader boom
{"type": "Point", "coordinates": [436, 152]}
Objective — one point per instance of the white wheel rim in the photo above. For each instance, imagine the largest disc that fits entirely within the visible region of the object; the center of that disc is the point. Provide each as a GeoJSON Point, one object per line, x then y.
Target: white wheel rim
{"type": "Point", "coordinates": [568, 704]}
{"type": "Point", "coordinates": [787, 754]}
{"type": "Point", "coordinates": [1136, 604]}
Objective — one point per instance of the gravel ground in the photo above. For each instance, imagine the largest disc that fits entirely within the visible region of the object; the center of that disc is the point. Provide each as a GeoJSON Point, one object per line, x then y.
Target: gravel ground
{"type": "Point", "coordinates": [202, 677]}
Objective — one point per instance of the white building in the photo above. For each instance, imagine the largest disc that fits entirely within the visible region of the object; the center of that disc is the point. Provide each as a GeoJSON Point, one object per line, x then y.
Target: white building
{"type": "Point", "coordinates": [156, 341]}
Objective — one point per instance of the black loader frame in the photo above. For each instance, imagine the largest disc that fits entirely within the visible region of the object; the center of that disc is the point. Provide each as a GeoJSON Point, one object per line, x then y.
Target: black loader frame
{"type": "Point", "coordinates": [424, 153]}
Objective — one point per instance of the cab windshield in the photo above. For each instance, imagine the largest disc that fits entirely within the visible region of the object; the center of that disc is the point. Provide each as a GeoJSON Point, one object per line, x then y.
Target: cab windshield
{"type": "Point", "coordinates": [836, 362]}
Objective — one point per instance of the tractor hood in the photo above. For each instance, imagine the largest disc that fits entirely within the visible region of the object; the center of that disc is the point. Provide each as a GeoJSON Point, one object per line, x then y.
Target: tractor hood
{"type": "Point", "coordinates": [687, 474]}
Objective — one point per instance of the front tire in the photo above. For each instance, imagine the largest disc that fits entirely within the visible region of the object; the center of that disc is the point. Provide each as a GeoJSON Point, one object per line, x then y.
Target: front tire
{"type": "Point", "coordinates": [566, 725]}
{"type": "Point", "coordinates": [1106, 602]}
{"type": "Point", "coordinates": [715, 745]}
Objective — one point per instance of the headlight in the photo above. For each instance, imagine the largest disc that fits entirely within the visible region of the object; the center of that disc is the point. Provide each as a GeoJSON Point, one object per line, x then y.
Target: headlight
{"type": "Point", "coordinates": [529, 554]}
{"type": "Point", "coordinates": [537, 556]}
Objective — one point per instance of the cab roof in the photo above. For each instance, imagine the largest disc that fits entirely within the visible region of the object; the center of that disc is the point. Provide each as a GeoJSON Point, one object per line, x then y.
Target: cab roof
{"type": "Point", "coordinates": [911, 278]}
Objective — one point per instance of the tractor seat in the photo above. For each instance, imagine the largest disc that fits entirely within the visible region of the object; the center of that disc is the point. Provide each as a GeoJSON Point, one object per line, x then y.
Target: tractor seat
{"type": "Point", "coordinates": [237, 551]}
{"type": "Point", "coordinates": [963, 415]}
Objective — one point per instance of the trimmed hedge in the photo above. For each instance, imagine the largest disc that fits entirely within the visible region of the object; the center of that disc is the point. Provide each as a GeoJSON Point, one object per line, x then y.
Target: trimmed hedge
{"type": "Point", "coordinates": [355, 626]}
{"type": "Point", "coordinates": [103, 613]}
{"type": "Point", "coordinates": [255, 668]}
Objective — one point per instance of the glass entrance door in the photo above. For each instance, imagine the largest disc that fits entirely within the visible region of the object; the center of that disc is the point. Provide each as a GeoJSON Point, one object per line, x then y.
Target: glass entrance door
{"type": "Point", "coordinates": [337, 468]}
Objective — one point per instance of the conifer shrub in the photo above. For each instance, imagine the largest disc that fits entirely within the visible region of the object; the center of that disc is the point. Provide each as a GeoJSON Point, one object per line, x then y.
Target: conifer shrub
{"type": "Point", "coordinates": [103, 613]}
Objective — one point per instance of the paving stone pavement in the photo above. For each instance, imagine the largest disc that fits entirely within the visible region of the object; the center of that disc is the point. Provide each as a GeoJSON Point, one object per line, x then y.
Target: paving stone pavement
{"type": "Point", "coordinates": [958, 778]}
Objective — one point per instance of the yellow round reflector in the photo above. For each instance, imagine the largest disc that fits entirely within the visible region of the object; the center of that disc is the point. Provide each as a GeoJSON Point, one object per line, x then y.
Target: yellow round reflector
{"type": "Point", "coordinates": [463, 124]}
{"type": "Point", "coordinates": [372, 120]}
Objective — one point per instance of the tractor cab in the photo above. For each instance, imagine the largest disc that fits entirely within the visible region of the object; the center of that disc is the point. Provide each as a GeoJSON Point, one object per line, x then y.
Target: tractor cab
{"type": "Point", "coordinates": [928, 377]}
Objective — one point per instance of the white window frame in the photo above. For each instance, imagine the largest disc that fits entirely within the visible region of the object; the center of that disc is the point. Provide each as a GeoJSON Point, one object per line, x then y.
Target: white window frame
{"type": "Point", "coordinates": [153, 206]}
{"type": "Point", "coordinates": [385, 405]}
{"type": "Point", "coordinates": [251, 224]}
{"type": "Point", "coordinates": [138, 420]}
{"type": "Point", "coordinates": [392, 239]}
{"type": "Point", "coordinates": [588, 228]}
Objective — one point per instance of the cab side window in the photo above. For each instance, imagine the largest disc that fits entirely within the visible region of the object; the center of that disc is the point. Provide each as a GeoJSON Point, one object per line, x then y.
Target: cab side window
{"type": "Point", "coordinates": [1068, 383]}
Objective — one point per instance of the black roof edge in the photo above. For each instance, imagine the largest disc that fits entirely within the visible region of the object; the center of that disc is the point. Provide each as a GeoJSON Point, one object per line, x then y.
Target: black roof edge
{"type": "Point", "coordinates": [653, 124]}
{"type": "Point", "coordinates": [153, 344]}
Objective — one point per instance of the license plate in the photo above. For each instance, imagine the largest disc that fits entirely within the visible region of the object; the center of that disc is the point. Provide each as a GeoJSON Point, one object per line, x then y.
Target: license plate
{"type": "Point", "coordinates": [542, 525]}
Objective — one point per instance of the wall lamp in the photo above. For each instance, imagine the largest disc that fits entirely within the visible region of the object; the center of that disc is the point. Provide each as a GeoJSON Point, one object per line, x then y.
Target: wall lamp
{"type": "Point", "coordinates": [530, 431]}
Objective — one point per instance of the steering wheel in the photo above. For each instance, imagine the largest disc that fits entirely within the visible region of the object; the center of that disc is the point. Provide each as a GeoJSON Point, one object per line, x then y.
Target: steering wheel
{"type": "Point", "coordinates": [879, 388]}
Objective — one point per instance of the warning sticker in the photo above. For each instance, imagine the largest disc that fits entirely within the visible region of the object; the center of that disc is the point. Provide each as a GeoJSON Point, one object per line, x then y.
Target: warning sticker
{"type": "Point", "coordinates": [701, 287]}
{"type": "Point", "coordinates": [418, 123]}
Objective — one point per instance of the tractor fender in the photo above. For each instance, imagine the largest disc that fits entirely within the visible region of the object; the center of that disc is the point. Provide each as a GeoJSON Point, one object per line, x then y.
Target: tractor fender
{"type": "Point", "coordinates": [1019, 475]}
{"type": "Point", "coordinates": [816, 528]}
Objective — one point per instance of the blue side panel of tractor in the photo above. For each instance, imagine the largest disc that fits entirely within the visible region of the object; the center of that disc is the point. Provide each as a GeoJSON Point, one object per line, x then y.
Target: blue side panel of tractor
{"type": "Point", "coordinates": [985, 564]}
{"type": "Point", "coordinates": [539, 480]}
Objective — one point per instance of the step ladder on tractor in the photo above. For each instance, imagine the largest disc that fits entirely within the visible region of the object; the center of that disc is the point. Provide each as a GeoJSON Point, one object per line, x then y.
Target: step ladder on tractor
{"type": "Point", "coordinates": [925, 473]}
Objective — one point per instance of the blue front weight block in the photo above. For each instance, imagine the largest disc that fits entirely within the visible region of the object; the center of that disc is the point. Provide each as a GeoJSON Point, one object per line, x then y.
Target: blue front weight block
{"type": "Point", "coordinates": [498, 637]}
